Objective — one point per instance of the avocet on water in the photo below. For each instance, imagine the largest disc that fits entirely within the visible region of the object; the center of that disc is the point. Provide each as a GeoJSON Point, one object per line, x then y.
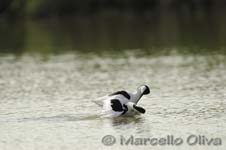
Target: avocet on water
{"type": "Point", "coordinates": [122, 103]}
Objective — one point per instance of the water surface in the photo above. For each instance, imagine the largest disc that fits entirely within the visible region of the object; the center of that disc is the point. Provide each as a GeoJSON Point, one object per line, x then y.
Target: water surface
{"type": "Point", "coordinates": [47, 103]}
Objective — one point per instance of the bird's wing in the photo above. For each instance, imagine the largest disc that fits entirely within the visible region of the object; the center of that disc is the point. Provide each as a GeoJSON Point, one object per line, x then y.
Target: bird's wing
{"type": "Point", "coordinates": [100, 100]}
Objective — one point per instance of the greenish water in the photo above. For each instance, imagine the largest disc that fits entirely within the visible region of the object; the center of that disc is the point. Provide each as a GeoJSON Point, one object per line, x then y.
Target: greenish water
{"type": "Point", "coordinates": [155, 33]}
{"type": "Point", "coordinates": [50, 72]}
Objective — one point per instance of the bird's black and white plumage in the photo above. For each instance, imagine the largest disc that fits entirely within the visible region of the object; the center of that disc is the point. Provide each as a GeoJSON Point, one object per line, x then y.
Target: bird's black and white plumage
{"type": "Point", "coordinates": [122, 102]}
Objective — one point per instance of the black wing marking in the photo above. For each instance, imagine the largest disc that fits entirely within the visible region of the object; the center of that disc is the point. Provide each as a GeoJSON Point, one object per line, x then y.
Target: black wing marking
{"type": "Point", "coordinates": [139, 109]}
{"type": "Point", "coordinates": [116, 105]}
{"type": "Point", "coordinates": [124, 93]}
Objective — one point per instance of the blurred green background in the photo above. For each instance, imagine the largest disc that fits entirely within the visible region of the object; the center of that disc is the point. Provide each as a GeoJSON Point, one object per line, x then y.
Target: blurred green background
{"type": "Point", "coordinates": [47, 26]}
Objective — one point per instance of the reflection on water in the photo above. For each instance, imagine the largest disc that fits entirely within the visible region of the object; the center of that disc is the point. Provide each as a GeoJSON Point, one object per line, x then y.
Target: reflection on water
{"type": "Point", "coordinates": [12, 36]}
{"type": "Point", "coordinates": [115, 32]}
{"type": "Point", "coordinates": [121, 121]}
